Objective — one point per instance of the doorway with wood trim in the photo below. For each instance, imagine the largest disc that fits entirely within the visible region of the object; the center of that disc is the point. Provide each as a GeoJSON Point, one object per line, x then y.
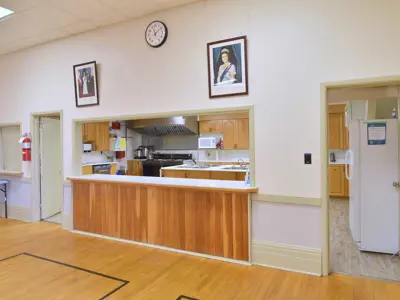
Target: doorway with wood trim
{"type": "Point", "coordinates": [48, 159]}
{"type": "Point", "coordinates": [362, 204]}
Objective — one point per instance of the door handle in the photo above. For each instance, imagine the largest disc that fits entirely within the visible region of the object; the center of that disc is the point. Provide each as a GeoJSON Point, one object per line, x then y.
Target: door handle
{"type": "Point", "coordinates": [396, 184]}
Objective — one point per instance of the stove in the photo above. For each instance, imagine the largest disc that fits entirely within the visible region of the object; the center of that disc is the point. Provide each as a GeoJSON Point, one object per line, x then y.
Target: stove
{"type": "Point", "coordinates": [151, 167]}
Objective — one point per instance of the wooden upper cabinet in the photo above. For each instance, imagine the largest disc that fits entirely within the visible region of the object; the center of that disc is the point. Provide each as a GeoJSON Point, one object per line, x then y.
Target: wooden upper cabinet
{"type": "Point", "coordinates": [236, 134]}
{"type": "Point", "coordinates": [89, 132]}
{"type": "Point", "coordinates": [241, 134]}
{"type": "Point", "coordinates": [233, 126]}
{"type": "Point", "coordinates": [98, 134]}
{"type": "Point", "coordinates": [103, 136]}
{"type": "Point", "coordinates": [338, 134]}
{"type": "Point", "coordinates": [335, 125]}
{"type": "Point", "coordinates": [336, 181]}
{"type": "Point", "coordinates": [213, 126]}
{"type": "Point", "coordinates": [229, 134]}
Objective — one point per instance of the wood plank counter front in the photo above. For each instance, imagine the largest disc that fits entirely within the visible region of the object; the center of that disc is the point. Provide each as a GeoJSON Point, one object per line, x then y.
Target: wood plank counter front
{"type": "Point", "coordinates": [175, 213]}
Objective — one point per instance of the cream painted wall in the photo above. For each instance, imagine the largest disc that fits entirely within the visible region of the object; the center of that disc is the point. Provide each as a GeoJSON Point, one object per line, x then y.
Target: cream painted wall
{"type": "Point", "coordinates": [293, 47]}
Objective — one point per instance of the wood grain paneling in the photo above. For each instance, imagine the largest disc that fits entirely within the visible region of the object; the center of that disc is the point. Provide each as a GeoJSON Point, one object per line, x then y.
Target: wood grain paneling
{"type": "Point", "coordinates": [223, 175]}
{"type": "Point", "coordinates": [198, 174]}
{"type": "Point", "coordinates": [208, 222]}
{"type": "Point", "coordinates": [135, 168]}
{"type": "Point", "coordinates": [174, 173]}
{"type": "Point", "coordinates": [240, 176]}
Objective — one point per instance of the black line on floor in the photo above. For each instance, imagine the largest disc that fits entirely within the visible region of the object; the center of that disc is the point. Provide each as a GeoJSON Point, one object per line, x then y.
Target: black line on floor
{"type": "Point", "coordinates": [124, 282]}
{"type": "Point", "coordinates": [182, 297]}
{"type": "Point", "coordinates": [3, 259]}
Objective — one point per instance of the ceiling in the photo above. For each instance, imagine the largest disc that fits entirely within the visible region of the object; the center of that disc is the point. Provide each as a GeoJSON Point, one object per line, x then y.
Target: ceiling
{"type": "Point", "coordinates": [39, 21]}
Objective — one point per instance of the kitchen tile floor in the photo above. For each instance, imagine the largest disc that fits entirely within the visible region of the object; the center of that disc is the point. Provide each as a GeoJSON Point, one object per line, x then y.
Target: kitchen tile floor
{"type": "Point", "coordinates": [54, 219]}
{"type": "Point", "coordinates": [347, 258]}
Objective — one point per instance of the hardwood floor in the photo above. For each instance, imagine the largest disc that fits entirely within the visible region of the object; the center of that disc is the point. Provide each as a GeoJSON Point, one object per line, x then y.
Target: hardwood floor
{"type": "Point", "coordinates": [152, 274]}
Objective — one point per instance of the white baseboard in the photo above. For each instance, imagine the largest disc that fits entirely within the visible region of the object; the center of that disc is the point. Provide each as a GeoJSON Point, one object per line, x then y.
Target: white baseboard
{"type": "Point", "coordinates": [20, 213]}
{"type": "Point", "coordinates": [287, 257]}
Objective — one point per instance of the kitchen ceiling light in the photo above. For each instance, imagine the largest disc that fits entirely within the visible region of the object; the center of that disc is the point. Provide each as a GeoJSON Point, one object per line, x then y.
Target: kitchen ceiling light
{"type": "Point", "coordinates": [4, 12]}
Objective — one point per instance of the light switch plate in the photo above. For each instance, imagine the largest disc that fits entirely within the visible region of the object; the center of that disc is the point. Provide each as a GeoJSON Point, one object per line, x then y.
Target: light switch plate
{"type": "Point", "coordinates": [307, 158]}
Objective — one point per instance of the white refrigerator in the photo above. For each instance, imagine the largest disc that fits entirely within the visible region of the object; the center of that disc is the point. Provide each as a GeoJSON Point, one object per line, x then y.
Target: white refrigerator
{"type": "Point", "coordinates": [373, 171]}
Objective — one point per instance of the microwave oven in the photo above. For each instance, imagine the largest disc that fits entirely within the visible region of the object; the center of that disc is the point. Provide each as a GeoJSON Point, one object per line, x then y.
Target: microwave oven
{"type": "Point", "coordinates": [87, 147]}
{"type": "Point", "coordinates": [207, 143]}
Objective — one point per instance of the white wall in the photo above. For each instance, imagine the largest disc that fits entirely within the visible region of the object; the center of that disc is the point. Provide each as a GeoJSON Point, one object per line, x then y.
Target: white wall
{"type": "Point", "coordinates": [293, 47]}
{"type": "Point", "coordinates": [18, 200]}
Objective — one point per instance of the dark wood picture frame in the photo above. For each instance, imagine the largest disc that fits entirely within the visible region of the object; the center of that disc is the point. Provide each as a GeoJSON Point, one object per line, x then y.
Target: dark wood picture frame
{"type": "Point", "coordinates": [245, 71]}
{"type": "Point", "coordinates": [75, 67]}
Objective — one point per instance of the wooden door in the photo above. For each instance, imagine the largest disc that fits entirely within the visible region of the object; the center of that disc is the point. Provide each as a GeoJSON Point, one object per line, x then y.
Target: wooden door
{"type": "Point", "coordinates": [241, 137]}
{"type": "Point", "coordinates": [198, 174]}
{"type": "Point", "coordinates": [103, 136]}
{"type": "Point", "coordinates": [336, 180]}
{"type": "Point", "coordinates": [229, 134]}
{"type": "Point", "coordinates": [174, 173]}
{"type": "Point", "coordinates": [335, 131]}
{"type": "Point", "coordinates": [214, 126]}
{"type": "Point", "coordinates": [223, 175]}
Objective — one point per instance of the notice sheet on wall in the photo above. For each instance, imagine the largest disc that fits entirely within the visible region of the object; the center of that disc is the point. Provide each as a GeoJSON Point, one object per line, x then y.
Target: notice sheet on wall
{"type": "Point", "coordinates": [376, 133]}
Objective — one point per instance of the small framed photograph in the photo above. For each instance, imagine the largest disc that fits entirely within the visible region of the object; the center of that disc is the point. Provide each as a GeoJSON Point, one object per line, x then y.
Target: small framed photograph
{"type": "Point", "coordinates": [86, 88]}
{"type": "Point", "coordinates": [227, 67]}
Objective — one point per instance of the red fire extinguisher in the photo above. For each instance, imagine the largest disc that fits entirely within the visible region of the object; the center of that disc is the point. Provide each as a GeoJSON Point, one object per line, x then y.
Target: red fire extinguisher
{"type": "Point", "coordinates": [26, 148]}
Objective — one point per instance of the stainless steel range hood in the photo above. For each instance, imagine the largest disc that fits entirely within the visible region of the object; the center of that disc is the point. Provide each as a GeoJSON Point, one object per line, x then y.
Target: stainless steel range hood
{"type": "Point", "coordinates": [165, 126]}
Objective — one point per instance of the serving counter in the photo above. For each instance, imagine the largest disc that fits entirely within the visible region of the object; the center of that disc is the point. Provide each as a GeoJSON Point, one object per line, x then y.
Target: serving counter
{"type": "Point", "coordinates": [203, 216]}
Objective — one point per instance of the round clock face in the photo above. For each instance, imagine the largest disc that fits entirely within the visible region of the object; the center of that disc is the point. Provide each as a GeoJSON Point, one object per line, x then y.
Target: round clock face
{"type": "Point", "coordinates": [156, 34]}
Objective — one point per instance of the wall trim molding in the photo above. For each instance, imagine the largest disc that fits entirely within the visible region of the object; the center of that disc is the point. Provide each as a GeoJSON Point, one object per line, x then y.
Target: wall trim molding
{"type": "Point", "coordinates": [20, 213]}
{"type": "Point", "coordinates": [286, 199]}
{"type": "Point", "coordinates": [287, 257]}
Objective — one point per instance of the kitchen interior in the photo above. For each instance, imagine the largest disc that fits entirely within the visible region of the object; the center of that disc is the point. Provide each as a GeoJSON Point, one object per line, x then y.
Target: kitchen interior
{"type": "Point", "coordinates": [363, 208]}
{"type": "Point", "coordinates": [210, 146]}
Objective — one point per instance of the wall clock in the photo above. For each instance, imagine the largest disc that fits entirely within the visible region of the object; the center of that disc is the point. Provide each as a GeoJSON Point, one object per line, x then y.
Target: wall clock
{"type": "Point", "coordinates": [156, 34]}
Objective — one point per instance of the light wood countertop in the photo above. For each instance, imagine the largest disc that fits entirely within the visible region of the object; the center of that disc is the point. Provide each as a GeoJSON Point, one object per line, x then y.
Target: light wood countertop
{"type": "Point", "coordinates": [11, 173]}
{"type": "Point", "coordinates": [200, 184]}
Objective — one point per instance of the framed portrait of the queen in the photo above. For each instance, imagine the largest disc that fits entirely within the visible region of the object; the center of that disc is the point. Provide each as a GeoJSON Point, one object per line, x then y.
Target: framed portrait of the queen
{"type": "Point", "coordinates": [86, 88]}
{"type": "Point", "coordinates": [227, 67]}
